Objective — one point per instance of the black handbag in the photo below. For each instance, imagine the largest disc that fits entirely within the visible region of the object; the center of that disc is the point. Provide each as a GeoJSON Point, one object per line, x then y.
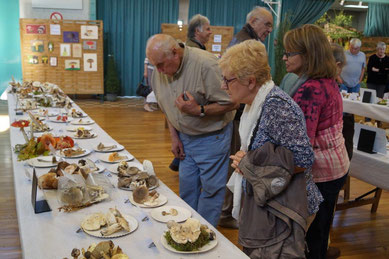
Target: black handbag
{"type": "Point", "coordinates": [143, 89]}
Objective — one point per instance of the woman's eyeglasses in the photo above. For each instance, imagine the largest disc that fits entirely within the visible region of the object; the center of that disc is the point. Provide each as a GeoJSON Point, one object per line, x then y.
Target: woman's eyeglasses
{"type": "Point", "coordinates": [226, 81]}
{"type": "Point", "coordinates": [291, 54]}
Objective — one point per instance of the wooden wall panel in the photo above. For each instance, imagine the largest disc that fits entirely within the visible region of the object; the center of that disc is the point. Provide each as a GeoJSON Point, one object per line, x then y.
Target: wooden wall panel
{"type": "Point", "coordinates": [226, 32]}
{"type": "Point", "coordinates": [71, 82]}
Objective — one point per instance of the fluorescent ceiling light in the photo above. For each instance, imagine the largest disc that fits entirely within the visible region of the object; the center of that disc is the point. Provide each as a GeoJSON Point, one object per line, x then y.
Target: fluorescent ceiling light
{"type": "Point", "coordinates": [357, 6]}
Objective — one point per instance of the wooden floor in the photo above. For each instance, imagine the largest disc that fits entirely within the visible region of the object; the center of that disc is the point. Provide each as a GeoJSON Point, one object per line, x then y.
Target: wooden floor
{"type": "Point", "coordinates": [357, 232]}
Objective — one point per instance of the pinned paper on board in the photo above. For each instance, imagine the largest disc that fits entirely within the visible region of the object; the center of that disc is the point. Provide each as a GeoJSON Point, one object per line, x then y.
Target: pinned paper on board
{"type": "Point", "coordinates": [65, 50]}
{"type": "Point", "coordinates": [216, 47]}
{"type": "Point", "coordinates": [37, 46]}
{"type": "Point", "coordinates": [70, 37]}
{"type": "Point", "coordinates": [72, 64]}
{"type": "Point", "coordinates": [89, 32]}
{"type": "Point", "coordinates": [90, 62]}
{"type": "Point", "coordinates": [55, 29]}
{"type": "Point", "coordinates": [89, 44]}
{"type": "Point", "coordinates": [77, 51]}
{"type": "Point", "coordinates": [217, 38]}
{"type": "Point", "coordinates": [53, 61]}
{"type": "Point", "coordinates": [33, 59]}
{"type": "Point", "coordinates": [36, 29]}
{"type": "Point", "coordinates": [45, 59]}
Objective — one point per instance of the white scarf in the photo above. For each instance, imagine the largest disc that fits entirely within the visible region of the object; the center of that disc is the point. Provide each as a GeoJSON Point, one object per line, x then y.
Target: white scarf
{"type": "Point", "coordinates": [248, 121]}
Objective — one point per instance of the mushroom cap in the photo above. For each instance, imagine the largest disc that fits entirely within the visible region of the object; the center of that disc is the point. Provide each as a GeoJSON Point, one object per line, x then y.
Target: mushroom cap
{"type": "Point", "coordinates": [20, 124]}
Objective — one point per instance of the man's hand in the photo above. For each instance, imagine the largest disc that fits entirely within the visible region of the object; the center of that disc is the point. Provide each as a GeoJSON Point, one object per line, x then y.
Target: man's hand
{"type": "Point", "coordinates": [375, 69]}
{"type": "Point", "coordinates": [178, 148]}
{"type": "Point", "coordinates": [236, 160]}
{"type": "Point", "coordinates": [188, 104]}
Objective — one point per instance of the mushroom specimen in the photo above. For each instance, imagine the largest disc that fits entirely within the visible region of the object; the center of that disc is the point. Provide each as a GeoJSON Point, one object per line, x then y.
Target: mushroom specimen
{"type": "Point", "coordinates": [90, 61]}
{"type": "Point", "coordinates": [21, 124]}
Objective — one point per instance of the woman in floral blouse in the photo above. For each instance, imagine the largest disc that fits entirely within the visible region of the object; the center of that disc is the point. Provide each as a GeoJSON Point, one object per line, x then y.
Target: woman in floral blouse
{"type": "Point", "coordinates": [308, 54]}
{"type": "Point", "coordinates": [270, 115]}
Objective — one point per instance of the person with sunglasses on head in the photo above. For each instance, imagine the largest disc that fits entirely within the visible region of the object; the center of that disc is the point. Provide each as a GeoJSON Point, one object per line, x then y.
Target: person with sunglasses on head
{"type": "Point", "coordinates": [259, 24]}
{"type": "Point", "coordinates": [308, 54]}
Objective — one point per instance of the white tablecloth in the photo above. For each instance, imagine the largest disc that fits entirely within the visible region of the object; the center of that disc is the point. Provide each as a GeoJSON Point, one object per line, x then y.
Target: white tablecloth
{"type": "Point", "coordinates": [53, 234]}
{"type": "Point", "coordinates": [374, 111]}
{"type": "Point", "coordinates": [371, 168]}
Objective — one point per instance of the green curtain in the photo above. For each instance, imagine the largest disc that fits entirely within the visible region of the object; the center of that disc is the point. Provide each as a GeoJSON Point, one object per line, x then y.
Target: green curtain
{"type": "Point", "coordinates": [10, 60]}
{"type": "Point", "coordinates": [304, 11]}
{"type": "Point", "coordinates": [127, 26]}
{"type": "Point", "coordinates": [377, 20]}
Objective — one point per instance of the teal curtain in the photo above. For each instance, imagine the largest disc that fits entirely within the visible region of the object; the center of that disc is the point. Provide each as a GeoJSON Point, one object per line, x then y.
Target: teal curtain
{"type": "Point", "coordinates": [127, 26]}
{"type": "Point", "coordinates": [10, 61]}
{"type": "Point", "coordinates": [304, 11]}
{"type": "Point", "coordinates": [377, 20]}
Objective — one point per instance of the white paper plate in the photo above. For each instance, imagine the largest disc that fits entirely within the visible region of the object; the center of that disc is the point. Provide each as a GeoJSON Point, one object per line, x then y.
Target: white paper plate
{"type": "Point", "coordinates": [116, 149]}
{"type": "Point", "coordinates": [129, 189]}
{"type": "Point", "coordinates": [41, 113]}
{"type": "Point", "coordinates": [104, 158]}
{"type": "Point", "coordinates": [74, 128]}
{"type": "Point", "coordinates": [131, 221]}
{"type": "Point", "coordinates": [59, 121]}
{"type": "Point", "coordinates": [203, 249]}
{"type": "Point", "coordinates": [81, 122]}
{"type": "Point", "coordinates": [35, 163]}
{"type": "Point", "coordinates": [94, 135]}
{"type": "Point", "coordinates": [49, 129]}
{"type": "Point", "coordinates": [101, 169]}
{"type": "Point", "coordinates": [87, 152]}
{"type": "Point", "coordinates": [114, 167]}
{"type": "Point", "coordinates": [161, 200]}
{"type": "Point", "coordinates": [183, 214]}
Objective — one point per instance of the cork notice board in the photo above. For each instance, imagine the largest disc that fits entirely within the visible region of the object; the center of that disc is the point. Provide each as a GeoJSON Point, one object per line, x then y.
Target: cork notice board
{"type": "Point", "coordinates": [218, 42]}
{"type": "Point", "coordinates": [77, 48]}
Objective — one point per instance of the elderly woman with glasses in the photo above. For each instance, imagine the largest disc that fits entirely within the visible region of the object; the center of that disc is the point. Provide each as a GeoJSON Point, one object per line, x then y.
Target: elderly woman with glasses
{"type": "Point", "coordinates": [309, 55]}
{"type": "Point", "coordinates": [378, 69]}
{"type": "Point", "coordinates": [275, 150]}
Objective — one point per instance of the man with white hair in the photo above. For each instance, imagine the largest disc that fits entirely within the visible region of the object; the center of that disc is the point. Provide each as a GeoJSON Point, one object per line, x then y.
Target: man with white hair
{"type": "Point", "coordinates": [259, 24]}
{"type": "Point", "coordinates": [378, 69]}
{"type": "Point", "coordinates": [187, 84]}
{"type": "Point", "coordinates": [353, 72]}
{"type": "Point", "coordinates": [199, 31]}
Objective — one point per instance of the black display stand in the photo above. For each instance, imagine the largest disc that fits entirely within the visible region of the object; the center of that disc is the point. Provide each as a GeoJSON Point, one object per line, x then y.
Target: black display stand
{"type": "Point", "coordinates": [366, 141]}
{"type": "Point", "coordinates": [39, 206]}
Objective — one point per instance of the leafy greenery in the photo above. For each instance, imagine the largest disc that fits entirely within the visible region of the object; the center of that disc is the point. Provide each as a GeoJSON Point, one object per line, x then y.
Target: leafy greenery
{"type": "Point", "coordinates": [279, 50]}
{"type": "Point", "coordinates": [112, 83]}
{"type": "Point", "coordinates": [340, 19]}
{"type": "Point", "coordinates": [189, 246]}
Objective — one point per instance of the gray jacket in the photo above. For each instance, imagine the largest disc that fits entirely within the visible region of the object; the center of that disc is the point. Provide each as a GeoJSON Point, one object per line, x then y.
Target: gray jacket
{"type": "Point", "coordinates": [273, 218]}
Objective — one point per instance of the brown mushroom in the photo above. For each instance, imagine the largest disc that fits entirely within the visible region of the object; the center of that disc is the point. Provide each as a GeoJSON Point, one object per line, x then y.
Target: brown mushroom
{"type": "Point", "coordinates": [90, 61]}
{"type": "Point", "coordinates": [21, 124]}
{"type": "Point", "coordinates": [75, 253]}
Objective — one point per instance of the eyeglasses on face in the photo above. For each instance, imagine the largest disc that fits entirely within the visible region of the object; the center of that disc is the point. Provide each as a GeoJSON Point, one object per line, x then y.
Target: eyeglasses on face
{"type": "Point", "coordinates": [226, 81]}
{"type": "Point", "coordinates": [291, 54]}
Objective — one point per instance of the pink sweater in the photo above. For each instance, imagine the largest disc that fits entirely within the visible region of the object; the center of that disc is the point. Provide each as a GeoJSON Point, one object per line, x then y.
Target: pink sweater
{"type": "Point", "coordinates": [321, 103]}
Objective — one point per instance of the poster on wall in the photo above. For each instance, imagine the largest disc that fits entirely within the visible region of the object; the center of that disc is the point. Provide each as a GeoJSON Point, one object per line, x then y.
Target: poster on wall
{"type": "Point", "coordinates": [89, 32]}
{"type": "Point", "coordinates": [50, 46]}
{"type": "Point", "coordinates": [55, 29]}
{"type": "Point", "coordinates": [77, 51]}
{"type": "Point", "coordinates": [72, 64]}
{"type": "Point", "coordinates": [89, 44]}
{"type": "Point", "coordinates": [90, 62]}
{"type": "Point", "coordinates": [37, 46]}
{"type": "Point", "coordinates": [70, 37]}
{"type": "Point", "coordinates": [32, 59]}
{"type": "Point", "coordinates": [36, 29]}
{"type": "Point", "coordinates": [65, 50]}
{"type": "Point", "coordinates": [45, 59]}
{"type": "Point", "coordinates": [53, 61]}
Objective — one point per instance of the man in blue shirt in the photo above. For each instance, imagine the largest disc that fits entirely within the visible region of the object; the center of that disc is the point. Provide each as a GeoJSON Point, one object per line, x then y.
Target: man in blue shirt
{"type": "Point", "coordinates": [352, 74]}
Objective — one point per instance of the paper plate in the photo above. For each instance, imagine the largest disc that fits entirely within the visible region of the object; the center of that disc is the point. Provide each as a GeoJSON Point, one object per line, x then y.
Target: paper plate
{"type": "Point", "coordinates": [87, 152]}
{"type": "Point", "coordinates": [183, 214]}
{"type": "Point", "coordinates": [131, 221]}
{"type": "Point", "coordinates": [93, 135]}
{"type": "Point", "coordinates": [161, 200]}
{"type": "Point", "coordinates": [104, 158]}
{"type": "Point", "coordinates": [212, 244]}
{"type": "Point", "coordinates": [114, 167]}
{"type": "Point", "coordinates": [113, 149]}
{"type": "Point", "coordinates": [82, 122]}
{"type": "Point", "coordinates": [42, 161]}
{"type": "Point", "coordinates": [74, 128]}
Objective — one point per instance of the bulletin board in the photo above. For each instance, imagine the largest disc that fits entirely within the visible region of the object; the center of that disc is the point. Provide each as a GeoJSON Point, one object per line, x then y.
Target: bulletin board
{"type": "Point", "coordinates": [218, 42]}
{"type": "Point", "coordinates": [75, 45]}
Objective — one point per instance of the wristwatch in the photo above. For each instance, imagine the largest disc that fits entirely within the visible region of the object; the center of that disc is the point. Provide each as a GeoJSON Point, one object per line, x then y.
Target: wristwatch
{"type": "Point", "coordinates": [202, 111]}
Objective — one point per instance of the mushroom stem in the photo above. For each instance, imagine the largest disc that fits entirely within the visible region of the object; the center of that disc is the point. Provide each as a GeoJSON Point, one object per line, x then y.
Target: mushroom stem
{"type": "Point", "coordinates": [24, 134]}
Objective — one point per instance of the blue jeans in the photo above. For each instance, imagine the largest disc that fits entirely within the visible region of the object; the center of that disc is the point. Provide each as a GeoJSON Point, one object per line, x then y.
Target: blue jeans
{"type": "Point", "coordinates": [203, 172]}
{"type": "Point", "coordinates": [354, 89]}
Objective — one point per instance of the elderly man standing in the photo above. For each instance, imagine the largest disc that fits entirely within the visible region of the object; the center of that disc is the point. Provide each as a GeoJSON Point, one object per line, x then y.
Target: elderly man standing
{"type": "Point", "coordinates": [187, 85]}
{"type": "Point", "coordinates": [352, 74]}
{"type": "Point", "coordinates": [259, 24]}
{"type": "Point", "coordinates": [199, 31]}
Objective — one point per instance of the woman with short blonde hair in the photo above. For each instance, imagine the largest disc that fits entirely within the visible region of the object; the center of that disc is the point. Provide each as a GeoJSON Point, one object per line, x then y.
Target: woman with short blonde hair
{"type": "Point", "coordinates": [308, 54]}
{"type": "Point", "coordinates": [271, 121]}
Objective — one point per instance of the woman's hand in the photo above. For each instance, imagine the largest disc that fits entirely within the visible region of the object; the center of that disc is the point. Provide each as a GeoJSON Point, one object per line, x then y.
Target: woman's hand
{"type": "Point", "coordinates": [236, 160]}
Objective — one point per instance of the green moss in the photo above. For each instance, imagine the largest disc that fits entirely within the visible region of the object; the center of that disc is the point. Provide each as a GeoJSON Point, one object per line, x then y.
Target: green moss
{"type": "Point", "coordinates": [189, 246]}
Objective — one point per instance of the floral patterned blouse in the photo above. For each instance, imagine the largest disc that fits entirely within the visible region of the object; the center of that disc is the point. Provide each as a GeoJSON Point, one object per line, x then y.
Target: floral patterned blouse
{"type": "Point", "coordinates": [282, 123]}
